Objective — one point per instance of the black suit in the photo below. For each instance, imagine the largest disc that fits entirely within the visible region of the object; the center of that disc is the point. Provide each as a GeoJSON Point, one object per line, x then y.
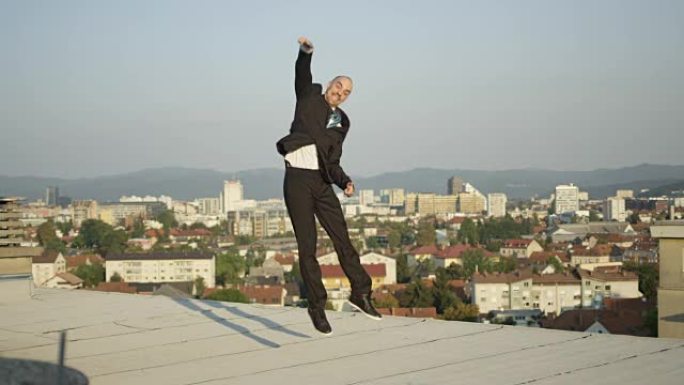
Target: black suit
{"type": "Point", "coordinates": [309, 193]}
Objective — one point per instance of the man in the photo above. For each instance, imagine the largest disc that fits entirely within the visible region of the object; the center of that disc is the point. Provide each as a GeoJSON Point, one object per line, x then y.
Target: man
{"type": "Point", "coordinates": [312, 154]}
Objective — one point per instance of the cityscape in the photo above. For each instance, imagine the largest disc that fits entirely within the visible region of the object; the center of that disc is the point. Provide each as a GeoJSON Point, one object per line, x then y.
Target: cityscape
{"type": "Point", "coordinates": [565, 261]}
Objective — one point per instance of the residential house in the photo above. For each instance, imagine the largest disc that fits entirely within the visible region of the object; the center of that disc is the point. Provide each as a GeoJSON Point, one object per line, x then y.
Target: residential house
{"type": "Point", "coordinates": [520, 248]}
{"type": "Point", "coordinates": [162, 267]}
{"type": "Point", "coordinates": [46, 265]}
{"type": "Point", "coordinates": [64, 281]}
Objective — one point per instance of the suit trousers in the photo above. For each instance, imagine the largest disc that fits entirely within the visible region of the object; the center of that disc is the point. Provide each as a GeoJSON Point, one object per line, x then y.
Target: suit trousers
{"type": "Point", "coordinates": [308, 195]}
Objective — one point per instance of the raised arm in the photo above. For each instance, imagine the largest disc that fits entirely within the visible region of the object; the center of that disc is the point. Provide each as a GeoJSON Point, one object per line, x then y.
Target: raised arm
{"type": "Point", "coordinates": [303, 78]}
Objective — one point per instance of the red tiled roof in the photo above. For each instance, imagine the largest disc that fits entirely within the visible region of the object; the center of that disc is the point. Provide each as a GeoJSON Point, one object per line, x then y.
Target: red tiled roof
{"type": "Point", "coordinates": [77, 260]}
{"type": "Point", "coordinates": [430, 249]}
{"type": "Point", "coordinates": [190, 233]}
{"type": "Point", "coordinates": [48, 256]}
{"type": "Point", "coordinates": [609, 273]}
{"type": "Point", "coordinates": [455, 251]}
{"type": "Point", "coordinates": [543, 256]}
{"type": "Point", "coordinates": [70, 278]}
{"type": "Point", "coordinates": [115, 287]}
{"type": "Point", "coordinates": [265, 294]}
{"type": "Point", "coordinates": [335, 271]}
{"type": "Point", "coordinates": [516, 243]}
{"type": "Point", "coordinates": [622, 322]}
{"type": "Point", "coordinates": [285, 259]}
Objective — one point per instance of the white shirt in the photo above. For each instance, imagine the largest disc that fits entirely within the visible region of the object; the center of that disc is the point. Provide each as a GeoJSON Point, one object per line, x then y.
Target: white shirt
{"type": "Point", "coordinates": [306, 157]}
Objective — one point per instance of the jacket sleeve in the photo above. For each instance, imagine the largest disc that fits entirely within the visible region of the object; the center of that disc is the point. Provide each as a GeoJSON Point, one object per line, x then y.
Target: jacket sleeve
{"type": "Point", "coordinates": [336, 172]}
{"type": "Point", "coordinates": [303, 78]}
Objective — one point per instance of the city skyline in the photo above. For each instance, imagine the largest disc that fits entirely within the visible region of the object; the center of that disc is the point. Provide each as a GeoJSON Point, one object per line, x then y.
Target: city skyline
{"type": "Point", "coordinates": [131, 85]}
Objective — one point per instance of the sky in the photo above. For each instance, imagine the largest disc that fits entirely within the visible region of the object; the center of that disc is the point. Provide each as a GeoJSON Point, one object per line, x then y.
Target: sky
{"type": "Point", "coordinates": [91, 88]}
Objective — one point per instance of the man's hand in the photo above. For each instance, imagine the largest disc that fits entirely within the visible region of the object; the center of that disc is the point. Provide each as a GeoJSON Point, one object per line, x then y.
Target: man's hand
{"type": "Point", "coordinates": [305, 44]}
{"type": "Point", "coordinates": [349, 191]}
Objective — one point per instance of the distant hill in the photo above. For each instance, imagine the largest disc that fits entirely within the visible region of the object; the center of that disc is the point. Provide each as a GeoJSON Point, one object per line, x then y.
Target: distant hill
{"type": "Point", "coordinates": [187, 183]}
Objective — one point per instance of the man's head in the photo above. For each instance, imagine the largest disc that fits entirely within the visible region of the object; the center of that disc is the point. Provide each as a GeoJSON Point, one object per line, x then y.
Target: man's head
{"type": "Point", "coordinates": [338, 90]}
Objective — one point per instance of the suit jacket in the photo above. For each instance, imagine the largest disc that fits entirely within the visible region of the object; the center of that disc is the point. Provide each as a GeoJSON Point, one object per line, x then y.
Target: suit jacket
{"type": "Point", "coordinates": [309, 125]}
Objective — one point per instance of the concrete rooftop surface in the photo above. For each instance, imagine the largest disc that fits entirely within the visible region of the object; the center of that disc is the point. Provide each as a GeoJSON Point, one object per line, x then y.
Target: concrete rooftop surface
{"type": "Point", "coordinates": [136, 339]}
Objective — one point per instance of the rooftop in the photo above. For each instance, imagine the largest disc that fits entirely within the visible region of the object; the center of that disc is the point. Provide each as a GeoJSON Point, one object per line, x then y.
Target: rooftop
{"type": "Point", "coordinates": [136, 339]}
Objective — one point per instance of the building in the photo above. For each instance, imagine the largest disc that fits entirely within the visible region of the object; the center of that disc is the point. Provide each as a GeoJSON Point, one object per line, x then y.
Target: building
{"type": "Point", "coordinates": [82, 210]}
{"type": "Point", "coordinates": [430, 204]}
{"type": "Point", "coordinates": [471, 202]}
{"type": "Point", "coordinates": [608, 282]}
{"type": "Point", "coordinates": [671, 288]}
{"type": "Point", "coordinates": [520, 248]}
{"type": "Point", "coordinates": [334, 278]}
{"type": "Point", "coordinates": [52, 196]}
{"type": "Point", "coordinates": [367, 259]}
{"type": "Point", "coordinates": [366, 197]}
{"type": "Point", "coordinates": [46, 265]}
{"type": "Point", "coordinates": [15, 260]}
{"type": "Point", "coordinates": [624, 194]}
{"type": "Point", "coordinates": [454, 185]}
{"type": "Point", "coordinates": [209, 206]}
{"type": "Point", "coordinates": [64, 281]}
{"type": "Point", "coordinates": [614, 209]}
{"type": "Point", "coordinates": [119, 212]}
{"type": "Point", "coordinates": [393, 197]}
{"type": "Point", "coordinates": [231, 196]}
{"type": "Point", "coordinates": [162, 267]}
{"type": "Point", "coordinates": [257, 222]}
{"type": "Point", "coordinates": [566, 199]}
{"type": "Point", "coordinates": [524, 290]}
{"type": "Point", "coordinates": [496, 205]}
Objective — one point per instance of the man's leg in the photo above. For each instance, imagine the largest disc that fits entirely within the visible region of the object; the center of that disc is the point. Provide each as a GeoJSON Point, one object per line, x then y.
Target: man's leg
{"type": "Point", "coordinates": [300, 206]}
{"type": "Point", "coordinates": [329, 214]}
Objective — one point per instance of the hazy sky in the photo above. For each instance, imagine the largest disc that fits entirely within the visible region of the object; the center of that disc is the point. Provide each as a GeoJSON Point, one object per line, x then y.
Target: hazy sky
{"type": "Point", "coordinates": [101, 87]}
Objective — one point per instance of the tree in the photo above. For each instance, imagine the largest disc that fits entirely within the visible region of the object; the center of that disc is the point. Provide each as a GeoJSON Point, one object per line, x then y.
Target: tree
{"type": "Point", "coordinates": [593, 216]}
{"type": "Point", "coordinates": [99, 235]}
{"type": "Point", "coordinates": [557, 265]}
{"type": "Point", "coordinates": [138, 230]}
{"type": "Point", "coordinates": [468, 232]}
{"type": "Point", "coordinates": [386, 301]}
{"type": "Point", "coordinates": [394, 238]}
{"type": "Point", "coordinates": [424, 268]}
{"type": "Point", "coordinates": [199, 287]}
{"type": "Point", "coordinates": [454, 271]}
{"type": "Point", "coordinates": [462, 312]}
{"type": "Point", "coordinates": [230, 266]}
{"type": "Point", "coordinates": [417, 295]}
{"type": "Point", "coordinates": [426, 234]}
{"type": "Point", "coordinates": [48, 238]}
{"type": "Point", "coordinates": [116, 277]}
{"type": "Point", "coordinates": [443, 297]}
{"type": "Point", "coordinates": [505, 265]}
{"type": "Point", "coordinates": [475, 259]}
{"type": "Point", "coordinates": [65, 227]}
{"type": "Point", "coordinates": [403, 272]}
{"type": "Point", "coordinates": [91, 275]}
{"type": "Point", "coordinates": [649, 276]}
{"type": "Point", "coordinates": [633, 218]}
{"type": "Point", "coordinates": [228, 295]}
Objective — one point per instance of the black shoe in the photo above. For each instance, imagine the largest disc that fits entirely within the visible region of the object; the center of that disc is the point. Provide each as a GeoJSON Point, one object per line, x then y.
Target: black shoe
{"type": "Point", "coordinates": [363, 304]}
{"type": "Point", "coordinates": [319, 321]}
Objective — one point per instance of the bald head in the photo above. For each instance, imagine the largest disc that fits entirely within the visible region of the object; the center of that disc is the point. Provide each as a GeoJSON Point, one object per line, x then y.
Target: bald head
{"type": "Point", "coordinates": [338, 90]}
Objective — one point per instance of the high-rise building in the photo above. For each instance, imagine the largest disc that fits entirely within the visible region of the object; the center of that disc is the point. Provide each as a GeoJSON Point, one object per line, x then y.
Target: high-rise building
{"type": "Point", "coordinates": [454, 185]}
{"type": "Point", "coordinates": [471, 203]}
{"type": "Point", "coordinates": [430, 204]}
{"type": "Point", "coordinates": [231, 195]}
{"type": "Point", "coordinates": [366, 197]}
{"type": "Point", "coordinates": [624, 194]}
{"type": "Point", "coordinates": [496, 205]}
{"type": "Point", "coordinates": [393, 197]}
{"type": "Point", "coordinates": [209, 206]}
{"type": "Point", "coordinates": [614, 209]}
{"type": "Point", "coordinates": [83, 210]}
{"type": "Point", "coordinates": [52, 196]}
{"type": "Point", "coordinates": [567, 199]}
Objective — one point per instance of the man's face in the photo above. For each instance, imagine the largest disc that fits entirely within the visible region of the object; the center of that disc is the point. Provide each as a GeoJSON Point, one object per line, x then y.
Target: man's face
{"type": "Point", "coordinates": [338, 90]}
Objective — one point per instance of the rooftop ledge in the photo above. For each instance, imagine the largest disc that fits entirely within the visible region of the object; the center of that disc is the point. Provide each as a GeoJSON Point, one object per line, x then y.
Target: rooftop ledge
{"type": "Point", "coordinates": [135, 339]}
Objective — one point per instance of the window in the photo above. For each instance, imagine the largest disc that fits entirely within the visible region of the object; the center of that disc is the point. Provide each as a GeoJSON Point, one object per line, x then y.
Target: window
{"type": "Point", "coordinates": [526, 284]}
{"type": "Point", "coordinates": [483, 299]}
{"type": "Point", "coordinates": [587, 283]}
{"type": "Point", "coordinates": [607, 287]}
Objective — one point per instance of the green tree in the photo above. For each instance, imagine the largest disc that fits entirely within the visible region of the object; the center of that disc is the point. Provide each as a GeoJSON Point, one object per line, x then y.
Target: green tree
{"type": "Point", "coordinates": [48, 239]}
{"type": "Point", "coordinates": [91, 275]}
{"type": "Point", "coordinates": [403, 271]}
{"type": "Point", "coordinates": [138, 230]}
{"type": "Point", "coordinates": [443, 296]}
{"type": "Point", "coordinates": [473, 259]}
{"type": "Point", "coordinates": [228, 295]}
{"type": "Point", "coordinates": [454, 271]}
{"type": "Point", "coordinates": [386, 301]}
{"type": "Point", "coordinates": [462, 312]}
{"type": "Point", "coordinates": [649, 276]}
{"type": "Point", "coordinates": [468, 233]}
{"type": "Point", "coordinates": [505, 265]}
{"type": "Point", "coordinates": [424, 268]}
{"type": "Point", "coordinates": [372, 243]}
{"type": "Point", "coordinates": [116, 277]}
{"type": "Point", "coordinates": [199, 287]}
{"type": "Point", "coordinates": [64, 227]}
{"type": "Point", "coordinates": [394, 238]}
{"type": "Point", "coordinates": [557, 265]}
{"type": "Point", "coordinates": [426, 234]}
{"type": "Point", "coordinates": [593, 216]}
{"type": "Point", "coordinates": [230, 266]}
{"type": "Point", "coordinates": [417, 295]}
{"type": "Point", "coordinates": [633, 218]}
